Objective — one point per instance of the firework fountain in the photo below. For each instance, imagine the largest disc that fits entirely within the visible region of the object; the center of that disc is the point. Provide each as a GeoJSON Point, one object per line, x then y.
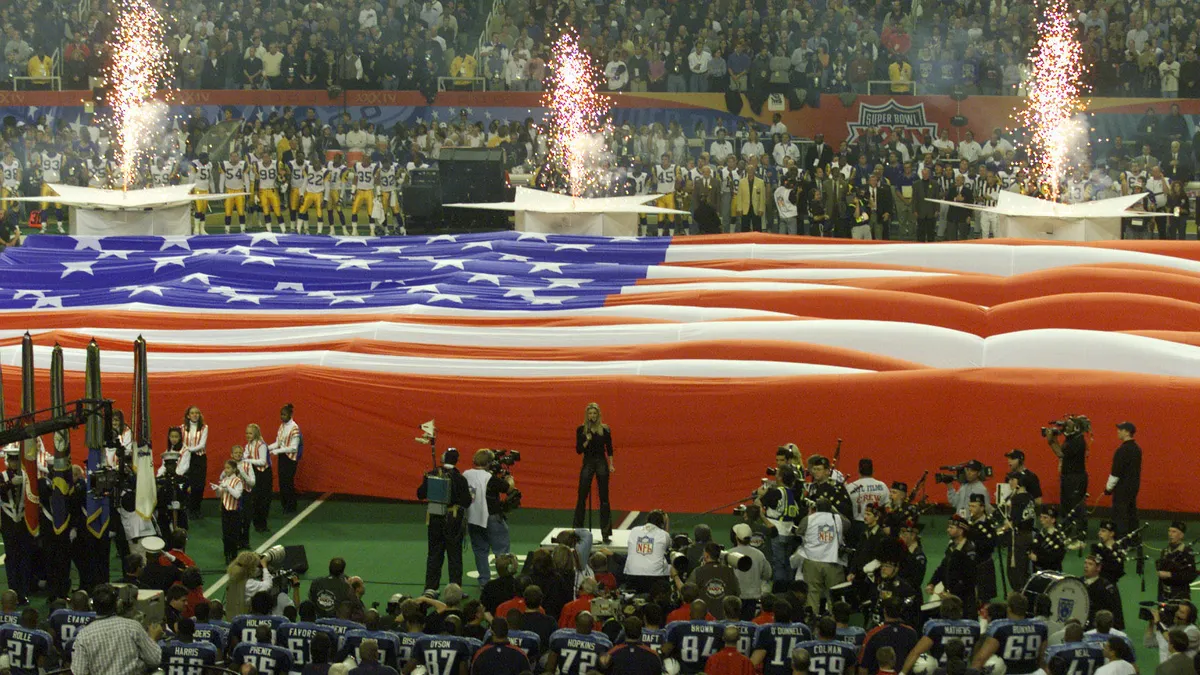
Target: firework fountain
{"type": "Point", "coordinates": [577, 116]}
{"type": "Point", "coordinates": [140, 64]}
{"type": "Point", "coordinates": [1053, 107]}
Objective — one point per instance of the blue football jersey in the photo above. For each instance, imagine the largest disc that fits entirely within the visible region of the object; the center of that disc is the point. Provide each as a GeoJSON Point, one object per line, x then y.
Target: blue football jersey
{"type": "Point", "coordinates": [1074, 658]}
{"type": "Point", "coordinates": [578, 653]}
{"type": "Point", "coordinates": [1092, 637]}
{"type": "Point", "coordinates": [777, 641]}
{"type": "Point", "coordinates": [297, 639]}
{"type": "Point", "coordinates": [852, 635]}
{"type": "Point", "coordinates": [527, 641]}
{"type": "Point", "coordinates": [693, 642]}
{"type": "Point", "coordinates": [65, 623]}
{"type": "Point", "coordinates": [187, 658]}
{"type": "Point", "coordinates": [1021, 643]}
{"type": "Point", "coordinates": [746, 631]}
{"type": "Point", "coordinates": [268, 659]}
{"type": "Point", "coordinates": [408, 641]}
{"type": "Point", "coordinates": [654, 638]}
{"type": "Point", "coordinates": [341, 626]}
{"type": "Point", "coordinates": [941, 631]}
{"type": "Point", "coordinates": [217, 636]}
{"type": "Point", "coordinates": [25, 647]}
{"type": "Point", "coordinates": [10, 617]}
{"type": "Point", "coordinates": [441, 654]}
{"type": "Point", "coordinates": [389, 645]}
{"type": "Point", "coordinates": [244, 627]}
{"type": "Point", "coordinates": [829, 657]}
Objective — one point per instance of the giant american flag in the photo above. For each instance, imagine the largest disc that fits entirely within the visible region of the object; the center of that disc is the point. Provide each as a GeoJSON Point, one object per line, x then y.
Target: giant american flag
{"type": "Point", "coordinates": [704, 351]}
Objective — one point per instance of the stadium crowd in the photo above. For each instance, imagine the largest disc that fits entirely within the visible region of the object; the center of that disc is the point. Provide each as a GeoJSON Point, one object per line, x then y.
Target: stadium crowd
{"type": "Point", "coordinates": [822, 46]}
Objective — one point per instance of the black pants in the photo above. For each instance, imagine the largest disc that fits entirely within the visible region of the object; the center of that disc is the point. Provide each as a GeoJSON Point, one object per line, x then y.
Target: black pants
{"type": "Point", "coordinates": [445, 534]}
{"type": "Point", "coordinates": [598, 467]}
{"type": "Point", "coordinates": [261, 497]}
{"type": "Point", "coordinates": [1124, 510]}
{"type": "Point", "coordinates": [1176, 227]}
{"type": "Point", "coordinates": [1018, 560]}
{"type": "Point", "coordinates": [92, 557]}
{"type": "Point", "coordinates": [231, 533]}
{"type": "Point", "coordinates": [958, 230]}
{"type": "Point", "coordinates": [56, 552]}
{"type": "Point", "coordinates": [245, 515]}
{"type": "Point", "coordinates": [18, 544]}
{"type": "Point", "coordinates": [1073, 493]}
{"type": "Point", "coordinates": [752, 222]}
{"type": "Point", "coordinates": [197, 476]}
{"type": "Point", "coordinates": [927, 229]}
{"type": "Point", "coordinates": [287, 483]}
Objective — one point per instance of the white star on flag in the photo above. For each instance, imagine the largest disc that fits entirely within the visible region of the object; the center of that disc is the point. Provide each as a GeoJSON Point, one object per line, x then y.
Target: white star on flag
{"type": "Point", "coordinates": [236, 250]}
{"type": "Point", "coordinates": [493, 278]}
{"type": "Point", "coordinates": [48, 302]}
{"type": "Point", "coordinates": [197, 276]}
{"type": "Point", "coordinates": [627, 240]}
{"type": "Point", "coordinates": [73, 267]}
{"type": "Point", "coordinates": [427, 288]}
{"type": "Point", "coordinates": [391, 249]}
{"type": "Point", "coordinates": [551, 300]}
{"type": "Point", "coordinates": [546, 267]}
{"type": "Point", "coordinates": [160, 263]}
{"type": "Point", "coordinates": [296, 250]}
{"type": "Point", "coordinates": [437, 297]}
{"type": "Point", "coordinates": [123, 255]}
{"type": "Point", "coordinates": [246, 297]}
{"type": "Point", "coordinates": [321, 294]}
{"type": "Point", "coordinates": [514, 257]}
{"type": "Point", "coordinates": [453, 239]}
{"type": "Point", "coordinates": [24, 292]}
{"type": "Point", "coordinates": [479, 244]}
{"type": "Point", "coordinates": [223, 290]}
{"type": "Point", "coordinates": [573, 247]}
{"type": "Point", "coordinates": [539, 236]}
{"type": "Point", "coordinates": [566, 283]}
{"type": "Point", "coordinates": [487, 114]}
{"type": "Point", "coordinates": [357, 299]}
{"type": "Point", "coordinates": [264, 236]}
{"type": "Point", "coordinates": [173, 242]}
{"type": "Point", "coordinates": [331, 256]}
{"type": "Point", "coordinates": [264, 259]}
{"type": "Point", "coordinates": [439, 264]}
{"type": "Point", "coordinates": [92, 243]}
{"type": "Point", "coordinates": [351, 240]}
{"type": "Point", "coordinates": [470, 111]}
{"type": "Point", "coordinates": [205, 251]}
{"type": "Point", "coordinates": [289, 286]}
{"type": "Point", "coordinates": [134, 290]}
{"type": "Point", "coordinates": [361, 264]}
{"type": "Point", "coordinates": [420, 258]}
{"type": "Point", "coordinates": [527, 293]}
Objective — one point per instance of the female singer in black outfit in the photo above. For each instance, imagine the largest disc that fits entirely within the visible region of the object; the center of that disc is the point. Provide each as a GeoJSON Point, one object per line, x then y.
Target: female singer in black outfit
{"type": "Point", "coordinates": [593, 440]}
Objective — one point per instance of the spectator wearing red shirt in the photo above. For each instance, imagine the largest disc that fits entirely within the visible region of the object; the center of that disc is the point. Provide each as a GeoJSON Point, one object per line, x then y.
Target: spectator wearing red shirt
{"type": "Point", "coordinates": [767, 615]}
{"type": "Point", "coordinates": [729, 661]}
{"type": "Point", "coordinates": [583, 603]}
{"type": "Point", "coordinates": [688, 593]}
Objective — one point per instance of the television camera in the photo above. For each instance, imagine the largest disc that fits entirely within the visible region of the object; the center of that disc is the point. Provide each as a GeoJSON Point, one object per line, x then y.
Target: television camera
{"type": "Point", "coordinates": [959, 473]}
{"type": "Point", "coordinates": [1069, 425]}
{"type": "Point", "coordinates": [502, 462]}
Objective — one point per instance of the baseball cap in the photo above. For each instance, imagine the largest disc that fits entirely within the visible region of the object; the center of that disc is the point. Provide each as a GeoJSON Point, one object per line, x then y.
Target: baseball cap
{"type": "Point", "coordinates": [742, 531]}
{"type": "Point", "coordinates": [1015, 453]}
{"type": "Point", "coordinates": [974, 465]}
{"type": "Point", "coordinates": [1128, 426]}
{"type": "Point", "coordinates": [958, 521]}
{"type": "Point", "coordinates": [977, 499]}
{"type": "Point", "coordinates": [1050, 510]}
{"type": "Point", "coordinates": [1179, 525]}
{"type": "Point", "coordinates": [900, 485]}
{"type": "Point", "coordinates": [450, 456]}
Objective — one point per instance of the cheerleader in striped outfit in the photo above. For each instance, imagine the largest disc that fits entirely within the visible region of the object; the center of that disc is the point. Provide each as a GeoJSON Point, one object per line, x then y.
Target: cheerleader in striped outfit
{"type": "Point", "coordinates": [194, 460]}
{"type": "Point", "coordinates": [229, 491]}
{"type": "Point", "coordinates": [260, 458]}
{"type": "Point", "coordinates": [288, 448]}
{"type": "Point", "coordinates": [986, 195]}
{"type": "Point", "coordinates": [246, 473]}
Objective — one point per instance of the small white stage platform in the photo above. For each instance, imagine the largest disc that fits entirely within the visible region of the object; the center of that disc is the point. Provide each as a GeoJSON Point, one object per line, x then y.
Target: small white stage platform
{"type": "Point", "coordinates": [620, 539]}
{"type": "Point", "coordinates": [552, 213]}
{"type": "Point", "coordinates": [1021, 217]}
{"type": "Point", "coordinates": [163, 211]}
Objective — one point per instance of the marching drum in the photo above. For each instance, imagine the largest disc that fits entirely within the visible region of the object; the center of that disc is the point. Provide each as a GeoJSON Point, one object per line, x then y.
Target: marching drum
{"type": "Point", "coordinates": [1068, 597]}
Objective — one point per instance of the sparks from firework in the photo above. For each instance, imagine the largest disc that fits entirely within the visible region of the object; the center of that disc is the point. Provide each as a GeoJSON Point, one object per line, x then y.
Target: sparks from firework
{"type": "Point", "coordinates": [140, 63]}
{"type": "Point", "coordinates": [577, 115]}
{"type": "Point", "coordinates": [1054, 95]}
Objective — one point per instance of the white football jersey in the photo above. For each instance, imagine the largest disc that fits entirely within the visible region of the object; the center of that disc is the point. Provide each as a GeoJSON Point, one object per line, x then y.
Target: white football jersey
{"type": "Point", "coordinates": [364, 176]}
{"type": "Point", "coordinates": [9, 174]}
{"type": "Point", "coordinates": [268, 174]}
{"type": "Point", "coordinates": [202, 175]}
{"type": "Point", "coordinates": [51, 166]}
{"type": "Point", "coordinates": [235, 175]}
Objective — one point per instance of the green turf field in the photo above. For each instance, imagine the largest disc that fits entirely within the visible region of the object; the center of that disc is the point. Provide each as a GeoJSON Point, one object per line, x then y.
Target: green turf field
{"type": "Point", "coordinates": [384, 543]}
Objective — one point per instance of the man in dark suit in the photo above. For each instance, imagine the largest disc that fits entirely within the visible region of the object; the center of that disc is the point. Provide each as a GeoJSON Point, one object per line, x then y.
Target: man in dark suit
{"type": "Point", "coordinates": [882, 206]}
{"type": "Point", "coordinates": [958, 220]}
{"type": "Point", "coordinates": [820, 154]}
{"type": "Point", "coordinates": [706, 197]}
{"type": "Point", "coordinates": [1178, 663]}
{"type": "Point", "coordinates": [834, 191]}
{"type": "Point", "coordinates": [1177, 165]}
{"type": "Point", "coordinates": [926, 212]}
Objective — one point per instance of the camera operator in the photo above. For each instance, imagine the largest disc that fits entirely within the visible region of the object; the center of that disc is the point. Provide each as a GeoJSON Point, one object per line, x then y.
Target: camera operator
{"type": "Point", "coordinates": [781, 507]}
{"type": "Point", "coordinates": [751, 581]}
{"type": "Point", "coordinates": [1071, 451]}
{"type": "Point", "coordinates": [1173, 616]}
{"type": "Point", "coordinates": [960, 499]}
{"type": "Point", "coordinates": [485, 516]}
{"type": "Point", "coordinates": [1125, 480]}
{"type": "Point", "coordinates": [822, 535]}
{"type": "Point", "coordinates": [445, 530]}
{"type": "Point", "coordinates": [715, 580]}
{"type": "Point", "coordinates": [1176, 566]}
{"type": "Point", "coordinates": [1029, 480]}
{"type": "Point", "coordinates": [647, 558]}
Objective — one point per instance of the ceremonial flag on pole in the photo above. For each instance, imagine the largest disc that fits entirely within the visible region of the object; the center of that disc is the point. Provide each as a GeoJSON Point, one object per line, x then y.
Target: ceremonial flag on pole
{"type": "Point", "coordinates": [146, 494]}
{"type": "Point", "coordinates": [97, 507]}
{"type": "Point", "coordinates": [33, 505]}
{"type": "Point", "coordinates": [60, 471]}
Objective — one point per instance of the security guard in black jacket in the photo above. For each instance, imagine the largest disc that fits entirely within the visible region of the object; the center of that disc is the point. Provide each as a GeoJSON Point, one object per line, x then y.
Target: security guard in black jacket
{"type": "Point", "coordinates": [446, 520]}
{"type": "Point", "coordinates": [1176, 566]}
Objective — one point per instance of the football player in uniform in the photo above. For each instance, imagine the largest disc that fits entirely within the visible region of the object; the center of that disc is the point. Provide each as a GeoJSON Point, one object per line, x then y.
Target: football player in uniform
{"type": "Point", "coordinates": [774, 642]}
{"type": "Point", "coordinates": [297, 637]}
{"type": "Point", "coordinates": [391, 180]}
{"type": "Point", "coordinates": [315, 177]}
{"type": "Point", "coordinates": [525, 640]}
{"type": "Point", "coordinates": [266, 174]}
{"type": "Point", "coordinates": [389, 643]}
{"type": "Point", "coordinates": [442, 654]}
{"type": "Point", "coordinates": [666, 177]}
{"type": "Point", "coordinates": [261, 653]}
{"type": "Point", "coordinates": [365, 176]}
{"type": "Point", "coordinates": [950, 625]}
{"type": "Point", "coordinates": [296, 170]}
{"type": "Point", "coordinates": [65, 623]}
{"type": "Point", "coordinates": [51, 163]}
{"type": "Point", "coordinates": [10, 179]}
{"type": "Point", "coordinates": [162, 170]}
{"type": "Point", "coordinates": [576, 651]}
{"type": "Point", "coordinates": [208, 631]}
{"type": "Point", "coordinates": [245, 627]}
{"type": "Point", "coordinates": [26, 646]}
{"type": "Point", "coordinates": [1019, 641]}
{"type": "Point", "coordinates": [184, 655]}
{"type": "Point", "coordinates": [1074, 656]}
{"type": "Point", "coordinates": [691, 642]}
{"type": "Point", "coordinates": [827, 654]}
{"type": "Point", "coordinates": [202, 181]}
{"type": "Point", "coordinates": [233, 180]}
{"type": "Point", "coordinates": [337, 174]}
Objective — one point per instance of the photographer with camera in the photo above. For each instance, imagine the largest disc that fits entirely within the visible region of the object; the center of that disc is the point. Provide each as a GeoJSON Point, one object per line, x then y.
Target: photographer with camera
{"type": "Point", "coordinates": [1125, 480]}
{"type": "Point", "coordinates": [1168, 617]}
{"type": "Point", "coordinates": [821, 555]}
{"type": "Point", "coordinates": [1067, 441]}
{"type": "Point", "coordinates": [1176, 566]}
{"type": "Point", "coordinates": [486, 519]}
{"type": "Point", "coordinates": [781, 507]}
{"type": "Point", "coordinates": [715, 579]}
{"type": "Point", "coordinates": [968, 475]}
{"type": "Point", "coordinates": [445, 521]}
{"type": "Point", "coordinates": [750, 582]}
